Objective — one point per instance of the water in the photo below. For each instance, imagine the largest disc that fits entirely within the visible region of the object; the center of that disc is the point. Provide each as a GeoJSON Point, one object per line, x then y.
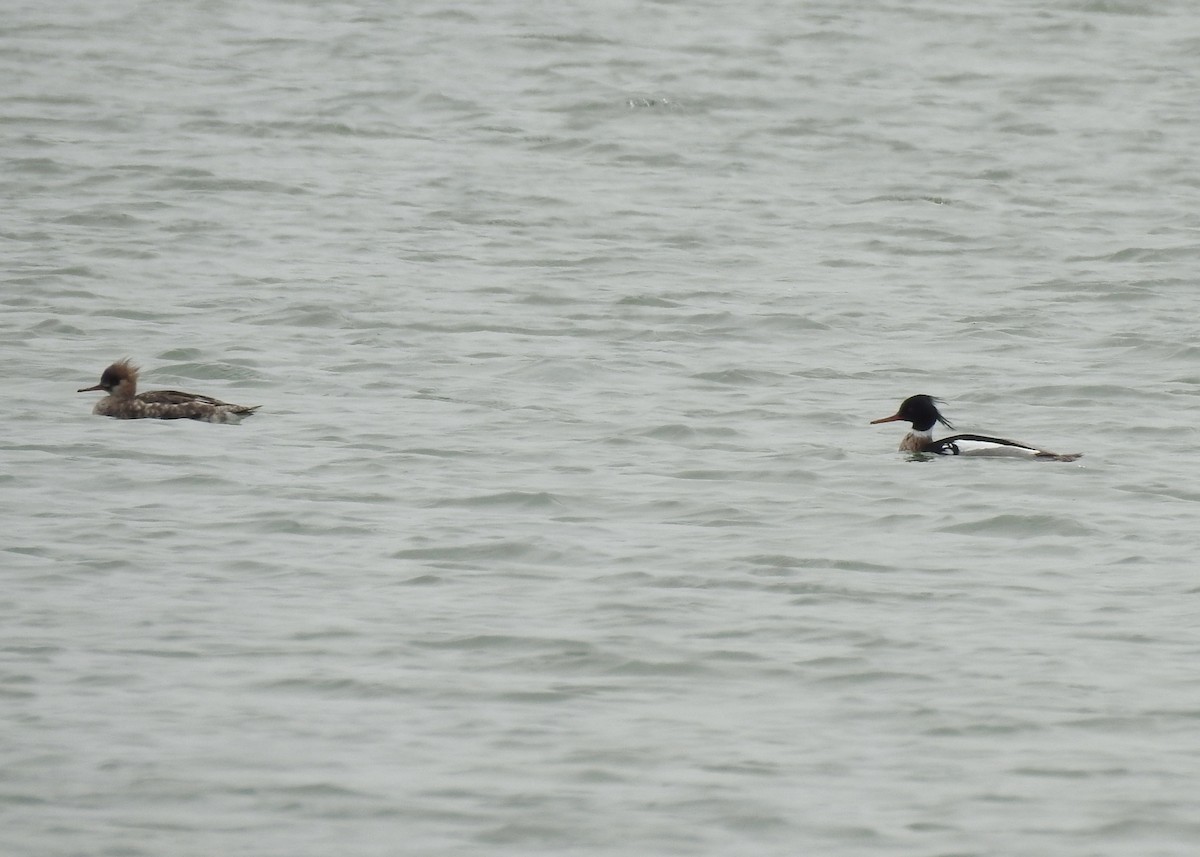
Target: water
{"type": "Point", "coordinates": [561, 529]}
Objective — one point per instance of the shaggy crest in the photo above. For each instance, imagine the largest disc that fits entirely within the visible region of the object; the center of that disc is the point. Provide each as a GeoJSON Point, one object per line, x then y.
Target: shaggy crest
{"type": "Point", "coordinates": [122, 370]}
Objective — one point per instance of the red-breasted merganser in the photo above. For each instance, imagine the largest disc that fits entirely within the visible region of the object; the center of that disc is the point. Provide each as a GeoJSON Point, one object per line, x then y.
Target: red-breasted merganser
{"type": "Point", "coordinates": [123, 402]}
{"type": "Point", "coordinates": [922, 412]}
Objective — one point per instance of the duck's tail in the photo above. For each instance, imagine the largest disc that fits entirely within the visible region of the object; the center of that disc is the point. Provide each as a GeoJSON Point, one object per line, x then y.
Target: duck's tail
{"type": "Point", "coordinates": [1054, 456]}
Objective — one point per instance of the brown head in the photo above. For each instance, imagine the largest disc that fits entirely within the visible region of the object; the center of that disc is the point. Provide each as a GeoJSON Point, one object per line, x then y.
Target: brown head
{"type": "Point", "coordinates": [119, 379]}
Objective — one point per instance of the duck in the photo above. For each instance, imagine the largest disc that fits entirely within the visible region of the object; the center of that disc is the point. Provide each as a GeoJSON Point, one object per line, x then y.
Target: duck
{"type": "Point", "coordinates": [922, 411]}
{"type": "Point", "coordinates": [123, 401]}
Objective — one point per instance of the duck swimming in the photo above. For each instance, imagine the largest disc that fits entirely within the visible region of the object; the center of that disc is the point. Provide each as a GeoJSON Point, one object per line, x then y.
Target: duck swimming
{"type": "Point", "coordinates": [921, 410]}
{"type": "Point", "coordinates": [124, 402]}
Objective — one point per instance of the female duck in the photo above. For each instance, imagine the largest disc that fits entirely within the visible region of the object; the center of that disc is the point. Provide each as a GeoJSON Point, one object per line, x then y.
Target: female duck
{"type": "Point", "coordinates": [123, 401]}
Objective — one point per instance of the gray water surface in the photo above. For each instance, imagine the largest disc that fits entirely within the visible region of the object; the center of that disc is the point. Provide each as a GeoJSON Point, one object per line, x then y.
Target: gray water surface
{"type": "Point", "coordinates": [562, 529]}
